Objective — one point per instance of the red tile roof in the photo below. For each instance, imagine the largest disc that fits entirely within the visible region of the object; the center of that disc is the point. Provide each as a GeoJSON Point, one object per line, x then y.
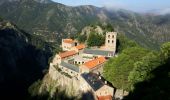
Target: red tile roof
{"type": "Point", "coordinates": [108, 97]}
{"type": "Point", "coordinates": [68, 41]}
{"type": "Point", "coordinates": [81, 46]}
{"type": "Point", "coordinates": [67, 54]}
{"type": "Point", "coordinates": [93, 63]}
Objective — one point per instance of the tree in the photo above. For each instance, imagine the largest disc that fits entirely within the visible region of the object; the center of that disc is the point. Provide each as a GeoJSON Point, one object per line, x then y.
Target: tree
{"type": "Point", "coordinates": [95, 39]}
{"type": "Point", "coordinates": [151, 76]}
{"type": "Point", "coordinates": [109, 27]}
{"type": "Point", "coordinates": [142, 69]}
{"type": "Point", "coordinates": [117, 69]}
{"type": "Point", "coordinates": [165, 51]}
{"type": "Point", "coordinates": [123, 42]}
{"type": "Point", "coordinates": [82, 38]}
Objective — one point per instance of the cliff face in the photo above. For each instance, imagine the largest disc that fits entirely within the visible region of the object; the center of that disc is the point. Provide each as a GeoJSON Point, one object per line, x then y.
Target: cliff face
{"type": "Point", "coordinates": [21, 60]}
{"type": "Point", "coordinates": [70, 85]}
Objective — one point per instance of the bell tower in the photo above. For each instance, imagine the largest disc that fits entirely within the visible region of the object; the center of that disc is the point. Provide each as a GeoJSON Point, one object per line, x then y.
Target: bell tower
{"type": "Point", "coordinates": [110, 41]}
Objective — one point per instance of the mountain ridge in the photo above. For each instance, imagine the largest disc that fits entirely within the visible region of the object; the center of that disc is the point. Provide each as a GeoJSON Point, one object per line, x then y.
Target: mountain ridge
{"type": "Point", "coordinates": [22, 61]}
{"type": "Point", "coordinates": [53, 21]}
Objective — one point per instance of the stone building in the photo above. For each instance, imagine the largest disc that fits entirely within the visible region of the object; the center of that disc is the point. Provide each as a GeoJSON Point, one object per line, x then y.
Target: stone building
{"type": "Point", "coordinates": [67, 44]}
{"type": "Point", "coordinates": [95, 65]}
{"type": "Point", "coordinates": [96, 83]}
{"type": "Point", "coordinates": [70, 69]}
{"type": "Point", "coordinates": [79, 60]}
{"type": "Point", "coordinates": [86, 65]}
{"type": "Point", "coordinates": [97, 53]}
{"type": "Point", "coordinates": [63, 56]}
{"type": "Point", "coordinates": [78, 48]}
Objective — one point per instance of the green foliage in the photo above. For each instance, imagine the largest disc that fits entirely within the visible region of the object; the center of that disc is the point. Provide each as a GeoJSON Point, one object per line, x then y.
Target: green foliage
{"type": "Point", "coordinates": [165, 50]}
{"type": "Point", "coordinates": [145, 73]}
{"type": "Point", "coordinates": [123, 42]}
{"type": "Point", "coordinates": [143, 68]}
{"type": "Point", "coordinates": [109, 28]}
{"type": "Point", "coordinates": [82, 38]}
{"type": "Point", "coordinates": [117, 69]}
{"type": "Point", "coordinates": [150, 76]}
{"type": "Point", "coordinates": [95, 39]}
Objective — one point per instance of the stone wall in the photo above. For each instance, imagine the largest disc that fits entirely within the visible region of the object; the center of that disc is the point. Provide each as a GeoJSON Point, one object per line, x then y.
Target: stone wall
{"type": "Point", "coordinates": [71, 85]}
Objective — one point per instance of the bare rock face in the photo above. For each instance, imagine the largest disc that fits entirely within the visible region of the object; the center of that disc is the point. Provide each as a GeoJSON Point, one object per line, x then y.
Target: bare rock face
{"type": "Point", "coordinates": [55, 80]}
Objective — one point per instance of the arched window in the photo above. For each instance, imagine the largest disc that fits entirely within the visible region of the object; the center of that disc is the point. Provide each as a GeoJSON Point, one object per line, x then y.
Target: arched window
{"type": "Point", "coordinates": [108, 41]}
{"type": "Point", "coordinates": [112, 41]}
{"type": "Point", "coordinates": [108, 36]}
{"type": "Point", "coordinates": [112, 36]}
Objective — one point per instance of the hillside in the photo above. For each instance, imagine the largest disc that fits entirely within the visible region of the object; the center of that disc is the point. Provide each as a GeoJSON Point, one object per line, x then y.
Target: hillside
{"type": "Point", "coordinates": [51, 21]}
{"type": "Point", "coordinates": [23, 57]}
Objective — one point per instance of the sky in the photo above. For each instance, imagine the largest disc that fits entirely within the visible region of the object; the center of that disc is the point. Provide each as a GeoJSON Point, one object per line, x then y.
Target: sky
{"type": "Point", "coordinates": [133, 5]}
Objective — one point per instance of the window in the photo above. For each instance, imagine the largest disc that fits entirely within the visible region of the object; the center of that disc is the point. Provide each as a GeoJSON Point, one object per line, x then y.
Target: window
{"type": "Point", "coordinates": [112, 36]}
{"type": "Point", "coordinates": [79, 62]}
{"type": "Point", "coordinates": [112, 41]}
{"type": "Point", "coordinates": [108, 41]}
{"type": "Point", "coordinates": [108, 36]}
{"type": "Point", "coordinates": [75, 43]}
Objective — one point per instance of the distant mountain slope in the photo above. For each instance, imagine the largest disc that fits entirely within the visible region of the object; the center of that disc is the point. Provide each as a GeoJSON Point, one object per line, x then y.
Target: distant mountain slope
{"type": "Point", "coordinates": [52, 21]}
{"type": "Point", "coordinates": [50, 18]}
{"type": "Point", "coordinates": [22, 60]}
{"type": "Point", "coordinates": [148, 30]}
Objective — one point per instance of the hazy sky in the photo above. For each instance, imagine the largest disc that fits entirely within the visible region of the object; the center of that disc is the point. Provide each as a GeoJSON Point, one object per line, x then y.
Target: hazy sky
{"type": "Point", "coordinates": [134, 5]}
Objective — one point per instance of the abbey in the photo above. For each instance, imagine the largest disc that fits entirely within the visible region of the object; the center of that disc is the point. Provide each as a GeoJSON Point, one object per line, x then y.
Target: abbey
{"type": "Point", "coordinates": [86, 65]}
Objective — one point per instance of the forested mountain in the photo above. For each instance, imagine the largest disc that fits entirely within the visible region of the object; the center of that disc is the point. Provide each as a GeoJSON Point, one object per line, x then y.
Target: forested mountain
{"type": "Point", "coordinates": [25, 54]}
{"type": "Point", "coordinates": [52, 20]}
{"type": "Point", "coordinates": [23, 57]}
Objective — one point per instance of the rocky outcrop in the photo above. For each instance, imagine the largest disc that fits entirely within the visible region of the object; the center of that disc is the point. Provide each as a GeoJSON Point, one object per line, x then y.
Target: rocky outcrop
{"type": "Point", "coordinates": [56, 79]}
{"type": "Point", "coordinates": [21, 60]}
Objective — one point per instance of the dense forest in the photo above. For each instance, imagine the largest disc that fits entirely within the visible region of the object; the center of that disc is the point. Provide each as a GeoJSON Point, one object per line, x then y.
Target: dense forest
{"type": "Point", "coordinates": [143, 72]}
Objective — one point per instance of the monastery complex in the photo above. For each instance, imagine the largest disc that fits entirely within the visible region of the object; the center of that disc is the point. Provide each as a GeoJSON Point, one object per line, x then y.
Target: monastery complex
{"type": "Point", "coordinates": [86, 65]}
